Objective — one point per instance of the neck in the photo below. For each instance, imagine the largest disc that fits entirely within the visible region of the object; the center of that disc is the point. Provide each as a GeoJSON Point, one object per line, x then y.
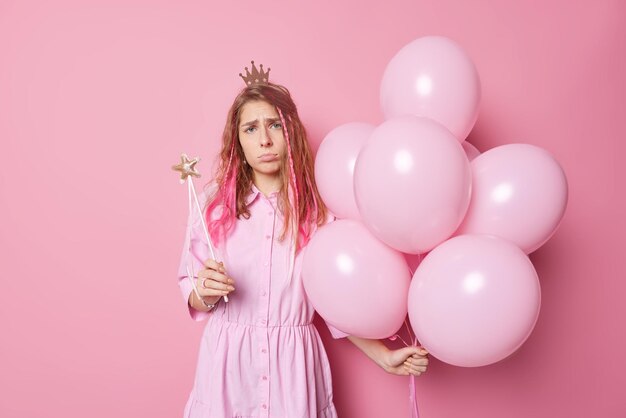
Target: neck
{"type": "Point", "coordinates": [267, 184]}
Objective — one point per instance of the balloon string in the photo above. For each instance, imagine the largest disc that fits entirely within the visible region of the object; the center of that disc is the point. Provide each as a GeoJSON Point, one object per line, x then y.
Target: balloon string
{"type": "Point", "coordinates": [393, 338]}
{"type": "Point", "coordinates": [415, 413]}
{"type": "Point", "coordinates": [413, 338]}
{"type": "Point", "coordinates": [412, 399]}
{"type": "Point", "coordinates": [408, 330]}
{"type": "Point", "coordinates": [192, 192]}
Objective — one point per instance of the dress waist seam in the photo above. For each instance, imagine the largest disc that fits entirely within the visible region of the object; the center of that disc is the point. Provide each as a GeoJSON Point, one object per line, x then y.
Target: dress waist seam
{"type": "Point", "coordinates": [223, 320]}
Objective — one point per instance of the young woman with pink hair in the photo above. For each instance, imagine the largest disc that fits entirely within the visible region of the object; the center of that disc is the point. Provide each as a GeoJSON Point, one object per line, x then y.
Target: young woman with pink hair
{"type": "Point", "coordinates": [260, 354]}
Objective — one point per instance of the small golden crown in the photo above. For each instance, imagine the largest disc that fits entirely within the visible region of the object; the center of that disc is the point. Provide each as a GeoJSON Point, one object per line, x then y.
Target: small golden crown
{"type": "Point", "coordinates": [256, 76]}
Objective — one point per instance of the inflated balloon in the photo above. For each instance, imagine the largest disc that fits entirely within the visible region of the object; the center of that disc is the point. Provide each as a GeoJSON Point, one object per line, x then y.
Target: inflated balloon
{"type": "Point", "coordinates": [470, 150]}
{"type": "Point", "coordinates": [519, 192]}
{"type": "Point", "coordinates": [474, 300]}
{"type": "Point", "coordinates": [355, 282]}
{"type": "Point", "coordinates": [433, 77]}
{"type": "Point", "coordinates": [334, 167]}
{"type": "Point", "coordinates": [412, 183]}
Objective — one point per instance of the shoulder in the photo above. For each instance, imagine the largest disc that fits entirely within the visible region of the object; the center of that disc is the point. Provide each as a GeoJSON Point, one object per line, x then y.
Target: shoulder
{"type": "Point", "coordinates": [208, 192]}
{"type": "Point", "coordinates": [205, 195]}
{"type": "Point", "coordinates": [330, 218]}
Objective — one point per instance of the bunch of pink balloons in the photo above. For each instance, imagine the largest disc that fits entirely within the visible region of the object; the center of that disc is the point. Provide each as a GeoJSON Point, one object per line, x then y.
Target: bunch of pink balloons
{"type": "Point", "coordinates": [413, 190]}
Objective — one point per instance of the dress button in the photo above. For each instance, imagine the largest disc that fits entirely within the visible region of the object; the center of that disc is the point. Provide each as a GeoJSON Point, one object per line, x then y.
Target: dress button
{"type": "Point", "coordinates": [264, 377]}
{"type": "Point", "coordinates": [264, 406]}
{"type": "Point", "coordinates": [263, 351]}
{"type": "Point", "coordinates": [267, 237]}
{"type": "Point", "coordinates": [263, 321]}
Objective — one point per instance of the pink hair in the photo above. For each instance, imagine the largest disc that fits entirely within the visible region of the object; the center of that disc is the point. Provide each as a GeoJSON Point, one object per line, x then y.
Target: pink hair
{"type": "Point", "coordinates": [233, 180]}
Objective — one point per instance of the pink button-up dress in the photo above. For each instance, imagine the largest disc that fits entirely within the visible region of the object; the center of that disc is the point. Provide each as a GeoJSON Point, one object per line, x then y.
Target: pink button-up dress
{"type": "Point", "coordinates": [260, 354]}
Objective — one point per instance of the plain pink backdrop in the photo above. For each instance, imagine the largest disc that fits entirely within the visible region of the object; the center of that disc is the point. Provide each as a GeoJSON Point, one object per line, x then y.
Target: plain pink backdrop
{"type": "Point", "coordinates": [99, 98]}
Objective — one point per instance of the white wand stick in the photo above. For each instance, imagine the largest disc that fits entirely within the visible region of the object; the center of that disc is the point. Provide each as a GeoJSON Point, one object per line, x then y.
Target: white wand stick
{"type": "Point", "coordinates": [188, 170]}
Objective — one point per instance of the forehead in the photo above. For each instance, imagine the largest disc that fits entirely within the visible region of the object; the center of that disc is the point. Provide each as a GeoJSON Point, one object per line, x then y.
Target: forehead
{"type": "Point", "coordinates": [257, 109]}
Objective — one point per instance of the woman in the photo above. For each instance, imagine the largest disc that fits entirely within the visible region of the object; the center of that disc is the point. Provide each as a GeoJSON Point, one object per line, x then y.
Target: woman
{"type": "Point", "coordinates": [260, 355]}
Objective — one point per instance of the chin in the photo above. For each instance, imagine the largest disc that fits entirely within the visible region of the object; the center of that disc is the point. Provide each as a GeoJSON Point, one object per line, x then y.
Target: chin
{"type": "Point", "coordinates": [268, 171]}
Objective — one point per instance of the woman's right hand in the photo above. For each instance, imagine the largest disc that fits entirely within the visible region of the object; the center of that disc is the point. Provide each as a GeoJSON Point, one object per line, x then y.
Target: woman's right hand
{"type": "Point", "coordinates": [213, 280]}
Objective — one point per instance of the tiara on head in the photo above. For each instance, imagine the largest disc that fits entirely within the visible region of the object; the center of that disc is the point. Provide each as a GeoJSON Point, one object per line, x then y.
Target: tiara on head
{"type": "Point", "coordinates": [256, 76]}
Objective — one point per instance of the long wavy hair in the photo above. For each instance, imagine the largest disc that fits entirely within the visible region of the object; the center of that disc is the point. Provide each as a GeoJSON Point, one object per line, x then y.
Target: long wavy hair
{"type": "Point", "coordinates": [299, 200]}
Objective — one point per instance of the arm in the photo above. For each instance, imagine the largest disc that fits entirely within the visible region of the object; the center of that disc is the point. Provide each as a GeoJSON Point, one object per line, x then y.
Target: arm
{"type": "Point", "coordinates": [197, 304]}
{"type": "Point", "coordinates": [218, 285]}
{"type": "Point", "coordinates": [404, 361]}
{"type": "Point", "coordinates": [212, 284]}
{"type": "Point", "coordinates": [199, 252]}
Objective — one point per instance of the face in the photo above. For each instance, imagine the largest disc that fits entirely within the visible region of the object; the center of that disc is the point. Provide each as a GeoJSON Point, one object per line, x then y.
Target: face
{"type": "Point", "coordinates": [261, 138]}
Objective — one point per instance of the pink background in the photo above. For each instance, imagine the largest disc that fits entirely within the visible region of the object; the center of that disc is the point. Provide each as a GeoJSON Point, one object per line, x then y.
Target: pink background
{"type": "Point", "coordinates": [99, 98]}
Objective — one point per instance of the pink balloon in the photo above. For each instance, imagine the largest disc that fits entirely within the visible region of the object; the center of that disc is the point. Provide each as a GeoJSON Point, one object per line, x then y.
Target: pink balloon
{"type": "Point", "coordinates": [334, 167]}
{"type": "Point", "coordinates": [433, 77]}
{"type": "Point", "coordinates": [519, 192]}
{"type": "Point", "coordinates": [470, 150]}
{"type": "Point", "coordinates": [474, 300]}
{"type": "Point", "coordinates": [355, 282]}
{"type": "Point", "coordinates": [412, 183]}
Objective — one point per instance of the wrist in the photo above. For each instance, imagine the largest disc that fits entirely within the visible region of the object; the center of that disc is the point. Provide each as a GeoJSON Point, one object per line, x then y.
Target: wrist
{"type": "Point", "coordinates": [203, 303]}
{"type": "Point", "coordinates": [383, 359]}
{"type": "Point", "coordinates": [211, 300]}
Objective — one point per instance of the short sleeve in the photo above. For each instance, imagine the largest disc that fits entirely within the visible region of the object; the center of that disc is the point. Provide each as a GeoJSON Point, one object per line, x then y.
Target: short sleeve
{"type": "Point", "coordinates": [336, 334]}
{"type": "Point", "coordinates": [195, 251]}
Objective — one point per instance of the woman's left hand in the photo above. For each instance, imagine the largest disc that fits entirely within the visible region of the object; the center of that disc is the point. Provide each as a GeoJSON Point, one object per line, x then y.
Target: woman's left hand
{"type": "Point", "coordinates": [407, 360]}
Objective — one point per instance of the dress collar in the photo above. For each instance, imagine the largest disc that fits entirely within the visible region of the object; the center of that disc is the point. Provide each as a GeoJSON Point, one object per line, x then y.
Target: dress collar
{"type": "Point", "coordinates": [254, 192]}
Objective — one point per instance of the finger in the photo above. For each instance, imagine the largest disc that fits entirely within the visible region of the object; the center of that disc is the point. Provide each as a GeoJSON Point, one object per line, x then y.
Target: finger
{"type": "Point", "coordinates": [221, 277]}
{"type": "Point", "coordinates": [213, 292]}
{"type": "Point", "coordinates": [207, 287]}
{"type": "Point", "coordinates": [416, 364]}
{"type": "Point", "coordinates": [214, 265]}
{"type": "Point", "coordinates": [211, 283]}
{"type": "Point", "coordinates": [409, 370]}
{"type": "Point", "coordinates": [214, 275]}
{"type": "Point", "coordinates": [213, 287]}
{"type": "Point", "coordinates": [420, 369]}
{"type": "Point", "coordinates": [416, 359]}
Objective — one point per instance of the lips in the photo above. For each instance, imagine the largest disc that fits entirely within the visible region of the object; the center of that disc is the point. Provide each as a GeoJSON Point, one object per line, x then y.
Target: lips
{"type": "Point", "coordinates": [268, 157]}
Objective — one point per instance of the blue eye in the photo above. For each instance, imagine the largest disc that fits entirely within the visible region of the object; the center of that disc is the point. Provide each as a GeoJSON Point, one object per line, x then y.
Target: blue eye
{"type": "Point", "coordinates": [250, 129]}
{"type": "Point", "coordinates": [277, 125]}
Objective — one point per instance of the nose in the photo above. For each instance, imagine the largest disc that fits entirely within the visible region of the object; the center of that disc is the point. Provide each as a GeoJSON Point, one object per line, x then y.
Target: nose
{"type": "Point", "coordinates": [266, 140]}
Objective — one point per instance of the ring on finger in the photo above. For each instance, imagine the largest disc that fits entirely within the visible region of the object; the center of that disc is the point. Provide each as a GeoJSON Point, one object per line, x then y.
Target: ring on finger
{"type": "Point", "coordinates": [204, 283]}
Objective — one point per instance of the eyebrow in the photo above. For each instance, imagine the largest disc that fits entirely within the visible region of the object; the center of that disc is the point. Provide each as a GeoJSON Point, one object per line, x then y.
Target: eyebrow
{"type": "Point", "coordinates": [252, 122]}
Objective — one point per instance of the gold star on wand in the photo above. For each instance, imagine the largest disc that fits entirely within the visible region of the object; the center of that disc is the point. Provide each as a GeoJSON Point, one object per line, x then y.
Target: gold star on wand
{"type": "Point", "coordinates": [186, 167]}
